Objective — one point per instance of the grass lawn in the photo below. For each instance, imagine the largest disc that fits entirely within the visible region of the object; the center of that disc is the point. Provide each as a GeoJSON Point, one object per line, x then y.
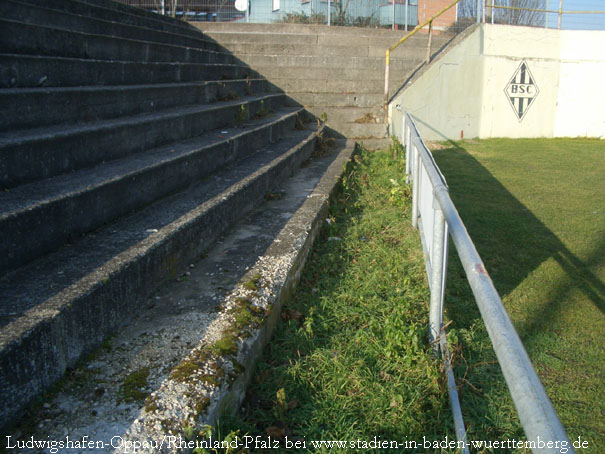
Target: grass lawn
{"type": "Point", "coordinates": [350, 360]}
{"type": "Point", "coordinates": [536, 212]}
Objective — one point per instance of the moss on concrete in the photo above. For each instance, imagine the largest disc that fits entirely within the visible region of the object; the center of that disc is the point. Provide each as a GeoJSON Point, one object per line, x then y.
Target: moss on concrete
{"type": "Point", "coordinates": [133, 387]}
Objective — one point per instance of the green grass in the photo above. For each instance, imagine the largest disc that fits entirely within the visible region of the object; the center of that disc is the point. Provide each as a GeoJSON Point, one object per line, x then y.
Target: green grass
{"type": "Point", "coordinates": [351, 360]}
{"type": "Point", "coordinates": [536, 212]}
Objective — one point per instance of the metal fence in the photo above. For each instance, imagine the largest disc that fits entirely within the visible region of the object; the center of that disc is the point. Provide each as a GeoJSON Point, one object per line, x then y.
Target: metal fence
{"type": "Point", "coordinates": [561, 14]}
{"type": "Point", "coordinates": [400, 14]}
{"type": "Point", "coordinates": [396, 14]}
{"type": "Point", "coordinates": [436, 218]}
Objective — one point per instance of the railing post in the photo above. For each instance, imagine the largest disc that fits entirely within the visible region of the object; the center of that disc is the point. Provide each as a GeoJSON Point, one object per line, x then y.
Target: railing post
{"type": "Point", "coordinates": [405, 144]}
{"type": "Point", "coordinates": [393, 24]}
{"type": "Point", "coordinates": [415, 183]}
{"type": "Point", "coordinates": [428, 50]}
{"type": "Point", "coordinates": [329, 11]}
{"type": "Point", "coordinates": [560, 13]}
{"type": "Point", "coordinates": [407, 5]}
{"type": "Point", "coordinates": [387, 66]}
{"type": "Point", "coordinates": [438, 274]}
{"type": "Point", "coordinates": [478, 11]}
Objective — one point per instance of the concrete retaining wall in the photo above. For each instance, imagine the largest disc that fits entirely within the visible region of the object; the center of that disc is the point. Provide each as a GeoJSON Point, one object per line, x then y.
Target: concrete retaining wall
{"type": "Point", "coordinates": [509, 81]}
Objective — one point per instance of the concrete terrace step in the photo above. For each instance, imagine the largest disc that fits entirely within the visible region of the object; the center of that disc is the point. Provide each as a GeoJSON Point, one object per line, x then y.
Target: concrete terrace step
{"type": "Point", "coordinates": [16, 10]}
{"type": "Point", "coordinates": [22, 38]}
{"type": "Point", "coordinates": [55, 150]}
{"type": "Point", "coordinates": [362, 100]}
{"type": "Point", "coordinates": [304, 73]}
{"type": "Point", "coordinates": [320, 61]}
{"type": "Point", "coordinates": [35, 71]}
{"type": "Point", "coordinates": [104, 278]}
{"type": "Point", "coordinates": [357, 131]}
{"type": "Point", "coordinates": [350, 114]}
{"type": "Point", "coordinates": [328, 39]}
{"type": "Point", "coordinates": [341, 87]}
{"type": "Point", "coordinates": [33, 107]}
{"type": "Point", "coordinates": [240, 27]}
{"type": "Point", "coordinates": [278, 48]}
{"type": "Point", "coordinates": [117, 12]}
{"type": "Point", "coordinates": [274, 242]}
{"type": "Point", "coordinates": [40, 217]}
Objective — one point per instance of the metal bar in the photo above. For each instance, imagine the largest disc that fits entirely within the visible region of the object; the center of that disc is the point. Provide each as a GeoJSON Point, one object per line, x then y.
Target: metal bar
{"type": "Point", "coordinates": [437, 250]}
{"type": "Point", "coordinates": [454, 399]}
{"type": "Point", "coordinates": [405, 144]}
{"type": "Point", "coordinates": [478, 11]}
{"type": "Point", "coordinates": [407, 8]}
{"type": "Point", "coordinates": [537, 415]}
{"type": "Point", "coordinates": [329, 11]}
{"type": "Point", "coordinates": [415, 187]}
{"type": "Point", "coordinates": [387, 68]}
{"type": "Point", "coordinates": [427, 259]}
{"type": "Point", "coordinates": [394, 46]}
{"type": "Point", "coordinates": [560, 11]}
{"type": "Point", "coordinates": [421, 26]}
{"type": "Point", "coordinates": [428, 50]}
{"type": "Point", "coordinates": [393, 24]}
{"type": "Point", "coordinates": [555, 11]}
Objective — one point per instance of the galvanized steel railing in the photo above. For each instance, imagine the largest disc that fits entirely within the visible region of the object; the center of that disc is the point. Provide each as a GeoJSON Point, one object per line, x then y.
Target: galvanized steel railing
{"type": "Point", "coordinates": [435, 216]}
{"type": "Point", "coordinates": [387, 59]}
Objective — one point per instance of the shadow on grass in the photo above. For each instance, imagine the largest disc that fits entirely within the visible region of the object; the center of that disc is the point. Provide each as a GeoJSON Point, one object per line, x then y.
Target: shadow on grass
{"type": "Point", "coordinates": [512, 241]}
{"type": "Point", "coordinates": [516, 245]}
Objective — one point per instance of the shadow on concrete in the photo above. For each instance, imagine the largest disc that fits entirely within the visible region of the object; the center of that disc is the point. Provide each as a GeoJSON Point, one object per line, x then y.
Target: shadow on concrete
{"type": "Point", "coordinates": [307, 117]}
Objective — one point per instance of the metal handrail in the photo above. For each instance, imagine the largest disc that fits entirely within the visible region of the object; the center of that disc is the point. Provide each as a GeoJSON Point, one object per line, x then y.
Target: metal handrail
{"type": "Point", "coordinates": [560, 12]}
{"type": "Point", "coordinates": [538, 417]}
{"type": "Point", "coordinates": [387, 66]}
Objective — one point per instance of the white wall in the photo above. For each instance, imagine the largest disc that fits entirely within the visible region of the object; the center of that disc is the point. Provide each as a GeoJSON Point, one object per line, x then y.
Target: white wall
{"type": "Point", "coordinates": [463, 91]}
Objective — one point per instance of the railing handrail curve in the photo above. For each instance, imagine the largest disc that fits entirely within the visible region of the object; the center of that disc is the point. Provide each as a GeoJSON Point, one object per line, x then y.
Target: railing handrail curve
{"type": "Point", "coordinates": [419, 27]}
{"type": "Point", "coordinates": [535, 410]}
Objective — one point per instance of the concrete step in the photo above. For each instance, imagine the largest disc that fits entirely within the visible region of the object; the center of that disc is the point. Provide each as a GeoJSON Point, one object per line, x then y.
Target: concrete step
{"type": "Point", "coordinates": [40, 217]}
{"type": "Point", "coordinates": [22, 38]}
{"type": "Point", "coordinates": [303, 73]}
{"type": "Point", "coordinates": [348, 114]}
{"type": "Point", "coordinates": [369, 144]}
{"type": "Point", "coordinates": [273, 242]}
{"type": "Point", "coordinates": [351, 39]}
{"type": "Point", "coordinates": [105, 278]}
{"type": "Point", "coordinates": [49, 71]}
{"type": "Point", "coordinates": [35, 107]}
{"type": "Point", "coordinates": [365, 100]}
{"type": "Point", "coordinates": [320, 61]}
{"type": "Point", "coordinates": [358, 131]}
{"type": "Point", "coordinates": [117, 12]}
{"type": "Point", "coordinates": [51, 151]}
{"type": "Point", "coordinates": [327, 86]}
{"type": "Point", "coordinates": [278, 48]}
{"type": "Point", "coordinates": [16, 10]}
{"type": "Point", "coordinates": [231, 27]}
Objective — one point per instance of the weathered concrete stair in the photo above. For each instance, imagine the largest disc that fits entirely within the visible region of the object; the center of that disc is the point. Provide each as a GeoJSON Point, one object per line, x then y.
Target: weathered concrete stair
{"type": "Point", "coordinates": [129, 143]}
{"type": "Point", "coordinates": [338, 71]}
